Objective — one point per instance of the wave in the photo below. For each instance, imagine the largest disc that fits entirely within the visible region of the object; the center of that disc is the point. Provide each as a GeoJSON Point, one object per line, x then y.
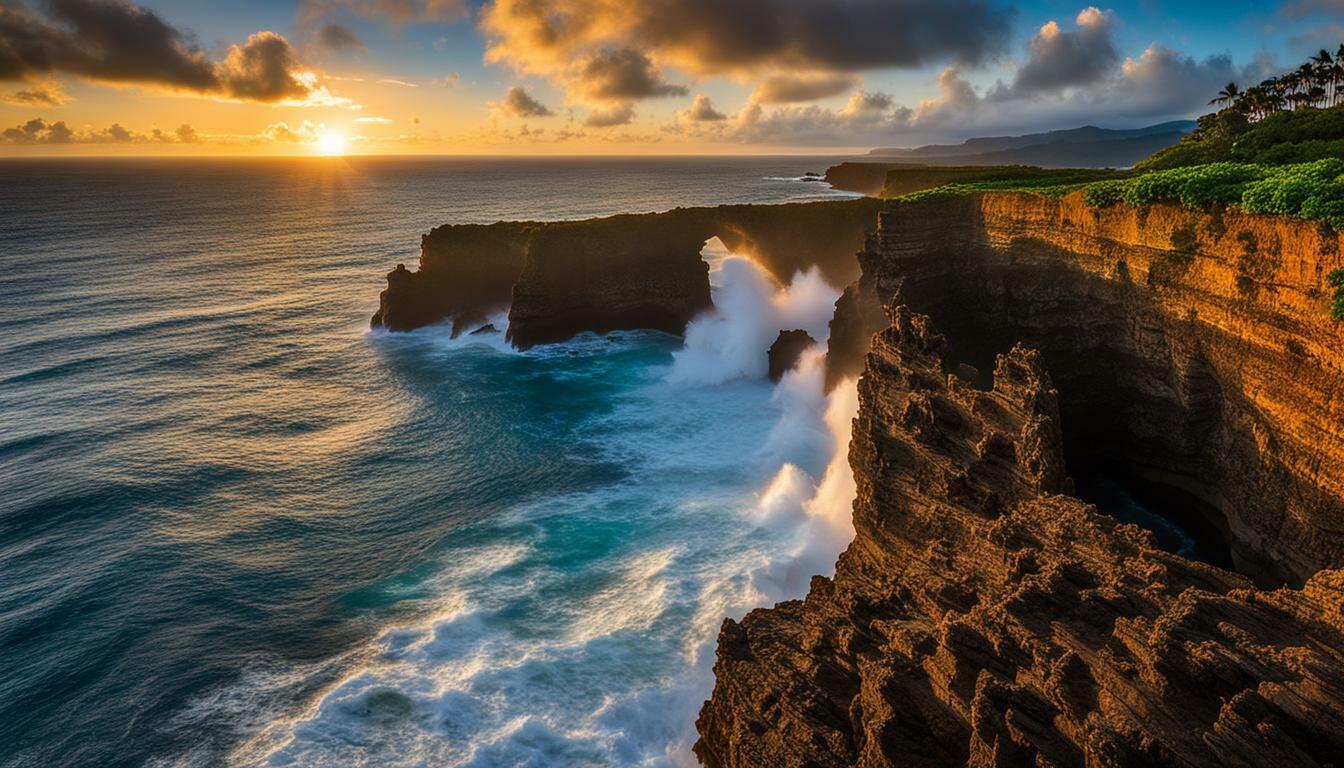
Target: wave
{"type": "Point", "coordinates": [579, 629]}
{"type": "Point", "coordinates": [750, 309]}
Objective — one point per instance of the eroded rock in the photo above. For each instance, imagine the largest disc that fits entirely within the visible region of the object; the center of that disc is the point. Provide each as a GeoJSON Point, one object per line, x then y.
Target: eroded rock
{"type": "Point", "coordinates": [787, 350]}
{"type": "Point", "coordinates": [983, 615]}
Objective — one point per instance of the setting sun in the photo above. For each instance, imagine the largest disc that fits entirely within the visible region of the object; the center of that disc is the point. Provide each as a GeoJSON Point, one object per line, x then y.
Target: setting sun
{"type": "Point", "coordinates": [331, 143]}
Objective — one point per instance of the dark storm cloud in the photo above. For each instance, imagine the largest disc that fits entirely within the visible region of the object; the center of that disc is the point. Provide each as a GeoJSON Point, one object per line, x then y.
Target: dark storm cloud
{"type": "Point", "coordinates": [118, 42]}
{"type": "Point", "coordinates": [714, 36]}
{"type": "Point", "coordinates": [100, 39]}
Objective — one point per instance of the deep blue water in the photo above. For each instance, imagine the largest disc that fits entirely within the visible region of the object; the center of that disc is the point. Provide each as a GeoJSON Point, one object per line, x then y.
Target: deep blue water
{"type": "Point", "coordinates": [238, 527]}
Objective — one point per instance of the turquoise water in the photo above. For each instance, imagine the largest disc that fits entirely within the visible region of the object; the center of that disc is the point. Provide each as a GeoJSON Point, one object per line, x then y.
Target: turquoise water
{"type": "Point", "coordinates": [239, 528]}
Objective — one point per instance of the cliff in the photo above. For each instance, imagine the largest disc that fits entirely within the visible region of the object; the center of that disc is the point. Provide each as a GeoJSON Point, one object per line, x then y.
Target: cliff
{"type": "Point", "coordinates": [866, 178]}
{"type": "Point", "coordinates": [466, 271]}
{"type": "Point", "coordinates": [628, 271]}
{"type": "Point", "coordinates": [893, 179]}
{"type": "Point", "coordinates": [985, 616]}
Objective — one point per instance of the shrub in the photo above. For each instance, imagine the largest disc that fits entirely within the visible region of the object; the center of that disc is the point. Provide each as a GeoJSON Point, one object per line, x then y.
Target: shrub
{"type": "Point", "coordinates": [1307, 190]}
{"type": "Point", "coordinates": [1313, 190]}
{"type": "Point", "coordinates": [1297, 136]}
{"type": "Point", "coordinates": [1336, 280]}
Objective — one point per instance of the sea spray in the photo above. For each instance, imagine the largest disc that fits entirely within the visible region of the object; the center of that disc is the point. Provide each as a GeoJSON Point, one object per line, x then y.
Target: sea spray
{"type": "Point", "coordinates": [823, 511]}
{"type": "Point", "coordinates": [750, 309]}
{"type": "Point", "coordinates": [590, 638]}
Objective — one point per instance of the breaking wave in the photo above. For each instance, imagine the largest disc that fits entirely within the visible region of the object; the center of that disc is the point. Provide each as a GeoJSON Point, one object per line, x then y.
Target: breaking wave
{"type": "Point", "coordinates": [579, 629]}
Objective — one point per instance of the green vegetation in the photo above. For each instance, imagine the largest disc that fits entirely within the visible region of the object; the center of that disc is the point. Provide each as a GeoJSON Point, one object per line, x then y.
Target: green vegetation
{"type": "Point", "coordinates": [1276, 149]}
{"type": "Point", "coordinates": [1296, 117]}
{"type": "Point", "coordinates": [1336, 280]}
{"type": "Point", "coordinates": [1297, 136]}
{"type": "Point", "coordinates": [1048, 182]}
{"type": "Point", "coordinates": [1303, 190]}
{"type": "Point", "coordinates": [1273, 149]}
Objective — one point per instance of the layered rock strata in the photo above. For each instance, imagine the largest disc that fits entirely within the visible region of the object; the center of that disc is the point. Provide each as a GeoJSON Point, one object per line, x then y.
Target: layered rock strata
{"type": "Point", "coordinates": [983, 615]}
{"type": "Point", "coordinates": [629, 271]}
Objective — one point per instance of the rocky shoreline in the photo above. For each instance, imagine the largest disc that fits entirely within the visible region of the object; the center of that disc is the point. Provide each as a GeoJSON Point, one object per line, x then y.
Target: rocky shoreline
{"type": "Point", "coordinates": [984, 615]}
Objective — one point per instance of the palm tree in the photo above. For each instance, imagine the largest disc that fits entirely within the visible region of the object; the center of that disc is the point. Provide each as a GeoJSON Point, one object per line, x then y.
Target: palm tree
{"type": "Point", "coordinates": [1319, 82]}
{"type": "Point", "coordinates": [1304, 76]}
{"type": "Point", "coordinates": [1229, 93]}
{"type": "Point", "coordinates": [1322, 65]}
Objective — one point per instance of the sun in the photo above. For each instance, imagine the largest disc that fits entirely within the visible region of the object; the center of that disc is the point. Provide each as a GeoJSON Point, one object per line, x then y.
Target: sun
{"type": "Point", "coordinates": [331, 143]}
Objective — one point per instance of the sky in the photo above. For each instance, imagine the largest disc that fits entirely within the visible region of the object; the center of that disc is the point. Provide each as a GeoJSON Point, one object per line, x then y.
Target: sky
{"type": "Point", "coordinates": [95, 77]}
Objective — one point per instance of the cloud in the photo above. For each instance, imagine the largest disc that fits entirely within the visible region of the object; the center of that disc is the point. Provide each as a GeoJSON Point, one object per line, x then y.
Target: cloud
{"type": "Point", "coordinates": [102, 40]}
{"type": "Point", "coordinates": [399, 83]}
{"type": "Point", "coordinates": [621, 75]}
{"type": "Point", "coordinates": [713, 36]}
{"type": "Point", "coordinates": [517, 103]}
{"type": "Point", "coordinates": [281, 132]}
{"type": "Point", "coordinates": [702, 111]}
{"type": "Point", "coordinates": [791, 88]}
{"type": "Point", "coordinates": [118, 42]}
{"type": "Point", "coordinates": [39, 131]}
{"type": "Point", "coordinates": [264, 68]}
{"type": "Point", "coordinates": [1159, 84]}
{"type": "Point", "coordinates": [867, 118]}
{"type": "Point", "coordinates": [1059, 59]}
{"type": "Point", "coordinates": [395, 12]}
{"type": "Point", "coordinates": [621, 114]}
{"type": "Point", "coordinates": [451, 80]}
{"type": "Point", "coordinates": [865, 104]}
{"type": "Point", "coordinates": [1323, 34]}
{"type": "Point", "coordinates": [338, 37]}
{"type": "Point", "coordinates": [47, 93]}
{"type": "Point", "coordinates": [1300, 8]}
{"type": "Point", "coordinates": [373, 120]}
{"type": "Point", "coordinates": [742, 38]}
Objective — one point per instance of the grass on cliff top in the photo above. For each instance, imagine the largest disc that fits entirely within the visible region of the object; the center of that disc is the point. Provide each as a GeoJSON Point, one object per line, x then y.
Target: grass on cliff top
{"type": "Point", "coordinates": [1312, 190]}
{"type": "Point", "coordinates": [1050, 182]}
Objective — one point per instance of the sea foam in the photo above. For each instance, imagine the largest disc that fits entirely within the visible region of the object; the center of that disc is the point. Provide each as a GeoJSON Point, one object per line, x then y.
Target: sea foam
{"type": "Point", "coordinates": [579, 629]}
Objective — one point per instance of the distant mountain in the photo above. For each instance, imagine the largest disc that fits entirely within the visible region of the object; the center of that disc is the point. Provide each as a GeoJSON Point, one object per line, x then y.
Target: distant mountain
{"type": "Point", "coordinates": [1084, 147]}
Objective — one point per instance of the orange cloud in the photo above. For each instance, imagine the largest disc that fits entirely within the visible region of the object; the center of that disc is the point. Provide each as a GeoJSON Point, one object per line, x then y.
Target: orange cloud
{"type": "Point", "coordinates": [47, 93]}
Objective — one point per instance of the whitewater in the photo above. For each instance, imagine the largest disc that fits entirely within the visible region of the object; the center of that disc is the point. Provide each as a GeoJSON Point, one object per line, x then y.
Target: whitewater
{"type": "Point", "coordinates": [241, 528]}
{"type": "Point", "coordinates": [580, 629]}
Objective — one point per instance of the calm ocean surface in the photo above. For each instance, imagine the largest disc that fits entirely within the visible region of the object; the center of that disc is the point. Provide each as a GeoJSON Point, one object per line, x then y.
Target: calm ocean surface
{"type": "Point", "coordinates": [236, 527]}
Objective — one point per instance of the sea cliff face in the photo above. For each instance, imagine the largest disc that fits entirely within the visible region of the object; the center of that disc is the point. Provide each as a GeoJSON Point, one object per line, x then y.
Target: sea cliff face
{"type": "Point", "coordinates": [983, 615]}
{"type": "Point", "coordinates": [630, 271]}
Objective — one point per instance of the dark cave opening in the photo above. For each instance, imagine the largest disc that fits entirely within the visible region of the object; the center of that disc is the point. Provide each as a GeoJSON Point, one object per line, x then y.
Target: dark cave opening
{"type": "Point", "coordinates": [1181, 523]}
{"type": "Point", "coordinates": [1134, 432]}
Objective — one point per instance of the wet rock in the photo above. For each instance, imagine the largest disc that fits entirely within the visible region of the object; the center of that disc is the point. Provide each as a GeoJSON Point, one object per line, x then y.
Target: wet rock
{"type": "Point", "coordinates": [786, 351]}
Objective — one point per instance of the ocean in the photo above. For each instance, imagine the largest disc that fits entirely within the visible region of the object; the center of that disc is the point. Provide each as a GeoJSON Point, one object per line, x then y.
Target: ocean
{"type": "Point", "coordinates": [239, 528]}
